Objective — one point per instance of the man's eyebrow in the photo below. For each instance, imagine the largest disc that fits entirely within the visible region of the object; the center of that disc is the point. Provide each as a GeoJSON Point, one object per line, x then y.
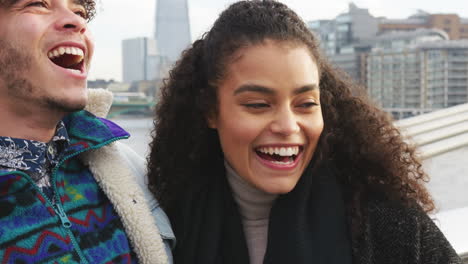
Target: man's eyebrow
{"type": "Point", "coordinates": [269, 91]}
{"type": "Point", "coordinates": [8, 3]}
{"type": "Point", "coordinates": [78, 2]}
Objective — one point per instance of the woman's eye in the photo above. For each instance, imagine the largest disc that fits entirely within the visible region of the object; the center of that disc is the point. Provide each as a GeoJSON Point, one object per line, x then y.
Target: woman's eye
{"type": "Point", "coordinates": [256, 105]}
{"type": "Point", "coordinates": [307, 104]}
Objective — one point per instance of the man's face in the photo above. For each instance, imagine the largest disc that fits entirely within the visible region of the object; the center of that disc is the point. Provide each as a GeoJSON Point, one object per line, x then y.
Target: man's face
{"type": "Point", "coordinates": [45, 51]}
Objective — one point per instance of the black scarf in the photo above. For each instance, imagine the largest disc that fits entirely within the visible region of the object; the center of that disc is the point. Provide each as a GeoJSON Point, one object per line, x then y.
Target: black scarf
{"type": "Point", "coordinates": [307, 225]}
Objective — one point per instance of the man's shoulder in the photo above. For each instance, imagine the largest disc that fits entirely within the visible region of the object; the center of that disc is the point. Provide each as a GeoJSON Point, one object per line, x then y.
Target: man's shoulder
{"type": "Point", "coordinates": [137, 166]}
{"type": "Point", "coordinates": [134, 161]}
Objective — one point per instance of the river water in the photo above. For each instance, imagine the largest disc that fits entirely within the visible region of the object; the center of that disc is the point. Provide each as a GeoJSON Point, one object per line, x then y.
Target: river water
{"type": "Point", "coordinates": [448, 172]}
{"type": "Point", "coordinates": [139, 129]}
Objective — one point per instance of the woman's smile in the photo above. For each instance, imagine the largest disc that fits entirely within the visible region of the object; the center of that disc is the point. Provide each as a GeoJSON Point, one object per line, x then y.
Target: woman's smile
{"type": "Point", "coordinates": [269, 119]}
{"type": "Point", "coordinates": [279, 157]}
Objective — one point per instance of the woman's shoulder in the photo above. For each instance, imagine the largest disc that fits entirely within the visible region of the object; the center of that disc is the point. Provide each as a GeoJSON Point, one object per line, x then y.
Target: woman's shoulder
{"type": "Point", "coordinates": [406, 232]}
{"type": "Point", "coordinates": [393, 210]}
{"type": "Point", "coordinates": [397, 218]}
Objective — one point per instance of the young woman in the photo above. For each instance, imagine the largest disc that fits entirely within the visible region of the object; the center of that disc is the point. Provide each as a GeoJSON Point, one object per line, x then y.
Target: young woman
{"type": "Point", "coordinates": [262, 154]}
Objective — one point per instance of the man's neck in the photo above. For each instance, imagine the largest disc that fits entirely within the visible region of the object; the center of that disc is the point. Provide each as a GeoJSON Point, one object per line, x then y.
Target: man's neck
{"type": "Point", "coordinates": [37, 124]}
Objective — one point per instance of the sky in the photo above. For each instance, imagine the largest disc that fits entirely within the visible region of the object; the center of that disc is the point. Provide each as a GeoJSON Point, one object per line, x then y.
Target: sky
{"type": "Point", "coordinates": [121, 19]}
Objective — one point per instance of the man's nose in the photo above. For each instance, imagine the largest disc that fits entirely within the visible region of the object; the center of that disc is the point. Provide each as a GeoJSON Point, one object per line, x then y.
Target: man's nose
{"type": "Point", "coordinates": [69, 21]}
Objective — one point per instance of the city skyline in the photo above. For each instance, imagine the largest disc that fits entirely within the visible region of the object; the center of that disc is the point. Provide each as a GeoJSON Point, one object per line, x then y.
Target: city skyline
{"type": "Point", "coordinates": [120, 19]}
{"type": "Point", "coordinates": [172, 16]}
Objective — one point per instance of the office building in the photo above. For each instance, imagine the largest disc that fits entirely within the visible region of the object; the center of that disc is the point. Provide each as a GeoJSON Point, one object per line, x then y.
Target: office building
{"type": "Point", "coordinates": [422, 78]}
{"type": "Point", "coordinates": [345, 39]}
{"type": "Point", "coordinates": [455, 26]}
{"type": "Point", "coordinates": [140, 59]}
{"type": "Point", "coordinates": [172, 28]}
{"type": "Point", "coordinates": [340, 34]}
{"type": "Point", "coordinates": [402, 40]}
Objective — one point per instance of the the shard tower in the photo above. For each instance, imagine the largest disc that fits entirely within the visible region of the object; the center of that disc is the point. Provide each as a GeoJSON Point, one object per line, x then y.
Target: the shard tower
{"type": "Point", "coordinates": [172, 28]}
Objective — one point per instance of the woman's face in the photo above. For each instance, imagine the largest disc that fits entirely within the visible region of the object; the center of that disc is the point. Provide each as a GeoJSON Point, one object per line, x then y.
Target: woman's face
{"type": "Point", "coordinates": [269, 116]}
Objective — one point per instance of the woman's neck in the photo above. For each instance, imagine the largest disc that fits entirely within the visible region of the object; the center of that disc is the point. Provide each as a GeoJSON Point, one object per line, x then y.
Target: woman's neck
{"type": "Point", "coordinates": [254, 207]}
{"type": "Point", "coordinates": [254, 204]}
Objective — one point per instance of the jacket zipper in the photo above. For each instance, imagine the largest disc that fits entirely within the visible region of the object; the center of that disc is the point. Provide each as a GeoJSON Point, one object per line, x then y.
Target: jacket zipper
{"type": "Point", "coordinates": [58, 203]}
{"type": "Point", "coordinates": [58, 207]}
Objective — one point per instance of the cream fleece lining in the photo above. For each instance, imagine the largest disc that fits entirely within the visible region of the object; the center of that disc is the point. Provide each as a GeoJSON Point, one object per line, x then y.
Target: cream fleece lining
{"type": "Point", "coordinates": [119, 184]}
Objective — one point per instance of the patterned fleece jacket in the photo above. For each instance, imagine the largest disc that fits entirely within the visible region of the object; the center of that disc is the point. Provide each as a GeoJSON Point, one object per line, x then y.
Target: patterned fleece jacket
{"type": "Point", "coordinates": [100, 212]}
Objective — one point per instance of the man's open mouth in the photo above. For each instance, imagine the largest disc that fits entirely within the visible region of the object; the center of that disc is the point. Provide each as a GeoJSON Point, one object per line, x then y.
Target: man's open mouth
{"type": "Point", "coordinates": [279, 155]}
{"type": "Point", "coordinates": [70, 58]}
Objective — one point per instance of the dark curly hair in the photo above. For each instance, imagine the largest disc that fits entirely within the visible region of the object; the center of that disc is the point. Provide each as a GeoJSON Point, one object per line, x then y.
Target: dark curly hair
{"type": "Point", "coordinates": [89, 5]}
{"type": "Point", "coordinates": [368, 151]}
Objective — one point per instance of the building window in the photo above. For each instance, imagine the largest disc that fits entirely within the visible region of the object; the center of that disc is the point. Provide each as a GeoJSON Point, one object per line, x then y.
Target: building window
{"type": "Point", "coordinates": [447, 21]}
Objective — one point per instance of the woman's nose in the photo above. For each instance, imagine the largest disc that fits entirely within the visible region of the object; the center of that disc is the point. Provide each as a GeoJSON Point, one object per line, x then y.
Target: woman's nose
{"type": "Point", "coordinates": [285, 123]}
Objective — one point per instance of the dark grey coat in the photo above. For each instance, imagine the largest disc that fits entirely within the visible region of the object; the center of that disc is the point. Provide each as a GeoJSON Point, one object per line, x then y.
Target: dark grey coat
{"type": "Point", "coordinates": [394, 234]}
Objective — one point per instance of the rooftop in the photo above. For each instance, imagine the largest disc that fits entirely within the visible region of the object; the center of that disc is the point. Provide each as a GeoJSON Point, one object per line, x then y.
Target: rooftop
{"type": "Point", "coordinates": [444, 44]}
{"type": "Point", "coordinates": [420, 32]}
{"type": "Point", "coordinates": [412, 21]}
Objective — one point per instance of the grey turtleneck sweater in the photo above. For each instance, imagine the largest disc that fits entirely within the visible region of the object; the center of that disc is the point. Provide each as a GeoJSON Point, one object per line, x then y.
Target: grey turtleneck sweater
{"type": "Point", "coordinates": [254, 207]}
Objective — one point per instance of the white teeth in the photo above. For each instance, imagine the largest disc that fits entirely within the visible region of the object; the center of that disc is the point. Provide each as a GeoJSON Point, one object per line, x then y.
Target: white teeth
{"type": "Point", "coordinates": [68, 50]}
{"type": "Point", "coordinates": [289, 151]}
{"type": "Point", "coordinates": [283, 152]}
{"type": "Point", "coordinates": [281, 162]}
{"type": "Point", "coordinates": [271, 151]}
{"type": "Point", "coordinates": [74, 71]}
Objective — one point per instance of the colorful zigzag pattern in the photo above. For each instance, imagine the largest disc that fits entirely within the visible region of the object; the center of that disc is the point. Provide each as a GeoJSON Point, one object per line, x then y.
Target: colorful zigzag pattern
{"type": "Point", "coordinates": [31, 231]}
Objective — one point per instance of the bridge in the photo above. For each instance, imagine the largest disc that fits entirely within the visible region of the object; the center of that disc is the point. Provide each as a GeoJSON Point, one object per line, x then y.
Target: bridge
{"type": "Point", "coordinates": [121, 108]}
{"type": "Point", "coordinates": [438, 134]}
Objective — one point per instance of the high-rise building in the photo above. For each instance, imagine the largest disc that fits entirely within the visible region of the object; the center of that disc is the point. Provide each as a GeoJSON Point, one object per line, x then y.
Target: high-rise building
{"type": "Point", "coordinates": [340, 34]}
{"type": "Point", "coordinates": [410, 67]}
{"type": "Point", "coordinates": [139, 59]}
{"type": "Point", "coordinates": [424, 77]}
{"type": "Point", "coordinates": [455, 26]}
{"type": "Point", "coordinates": [345, 39]}
{"type": "Point", "coordinates": [172, 28]}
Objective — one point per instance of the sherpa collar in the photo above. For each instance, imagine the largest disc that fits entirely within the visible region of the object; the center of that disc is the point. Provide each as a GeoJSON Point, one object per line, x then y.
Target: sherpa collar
{"type": "Point", "coordinates": [122, 189]}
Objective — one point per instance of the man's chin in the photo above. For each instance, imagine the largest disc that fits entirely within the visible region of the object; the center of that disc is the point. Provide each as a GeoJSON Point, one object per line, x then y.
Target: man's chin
{"type": "Point", "coordinates": [66, 107]}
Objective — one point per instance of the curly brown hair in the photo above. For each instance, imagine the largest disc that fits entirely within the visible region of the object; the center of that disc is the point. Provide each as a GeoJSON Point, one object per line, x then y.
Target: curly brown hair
{"type": "Point", "coordinates": [89, 5]}
{"type": "Point", "coordinates": [368, 151]}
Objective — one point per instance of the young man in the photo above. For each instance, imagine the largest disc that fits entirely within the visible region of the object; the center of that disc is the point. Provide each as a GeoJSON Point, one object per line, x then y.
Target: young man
{"type": "Point", "coordinates": [68, 193]}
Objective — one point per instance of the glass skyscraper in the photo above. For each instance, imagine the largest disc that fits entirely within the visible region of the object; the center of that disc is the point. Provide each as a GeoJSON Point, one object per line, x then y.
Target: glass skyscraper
{"type": "Point", "coordinates": [172, 28]}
